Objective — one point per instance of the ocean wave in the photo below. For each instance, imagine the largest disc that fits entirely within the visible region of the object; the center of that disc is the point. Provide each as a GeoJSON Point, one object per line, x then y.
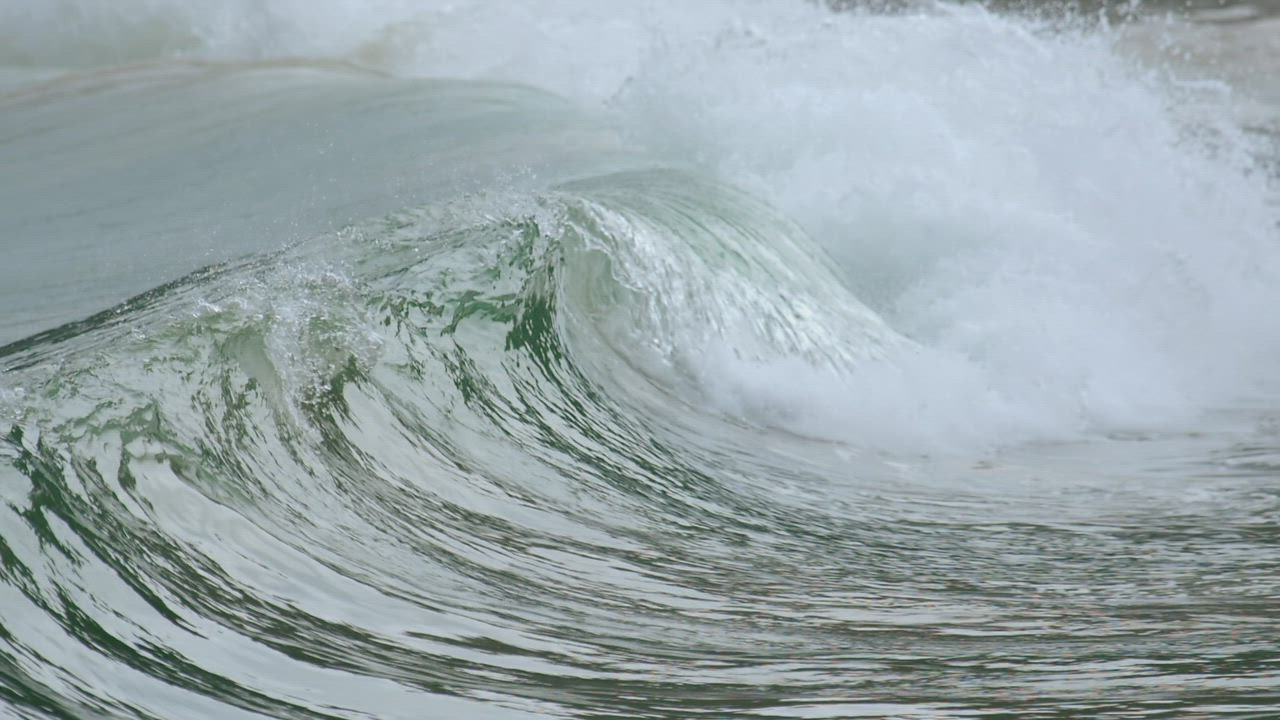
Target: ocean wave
{"type": "Point", "coordinates": [654, 360]}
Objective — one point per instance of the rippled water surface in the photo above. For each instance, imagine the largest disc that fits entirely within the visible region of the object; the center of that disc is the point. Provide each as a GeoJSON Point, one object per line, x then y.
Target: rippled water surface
{"type": "Point", "coordinates": [639, 360]}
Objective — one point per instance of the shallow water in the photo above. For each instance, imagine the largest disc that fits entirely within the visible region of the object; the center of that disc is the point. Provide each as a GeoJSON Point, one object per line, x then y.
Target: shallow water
{"type": "Point", "coordinates": [746, 359]}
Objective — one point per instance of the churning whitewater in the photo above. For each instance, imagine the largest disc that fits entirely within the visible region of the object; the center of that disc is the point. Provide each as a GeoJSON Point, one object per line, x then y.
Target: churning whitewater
{"type": "Point", "coordinates": [638, 360]}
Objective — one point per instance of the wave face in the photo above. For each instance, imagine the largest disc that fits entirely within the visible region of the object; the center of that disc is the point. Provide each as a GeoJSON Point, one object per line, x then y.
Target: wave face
{"type": "Point", "coordinates": [747, 359]}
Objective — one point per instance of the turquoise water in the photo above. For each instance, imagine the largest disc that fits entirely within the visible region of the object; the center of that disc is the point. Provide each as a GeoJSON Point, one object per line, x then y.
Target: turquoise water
{"type": "Point", "coordinates": [416, 360]}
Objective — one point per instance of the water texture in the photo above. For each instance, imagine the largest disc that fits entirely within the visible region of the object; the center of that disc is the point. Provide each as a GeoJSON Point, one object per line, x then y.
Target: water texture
{"type": "Point", "coordinates": [639, 360]}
